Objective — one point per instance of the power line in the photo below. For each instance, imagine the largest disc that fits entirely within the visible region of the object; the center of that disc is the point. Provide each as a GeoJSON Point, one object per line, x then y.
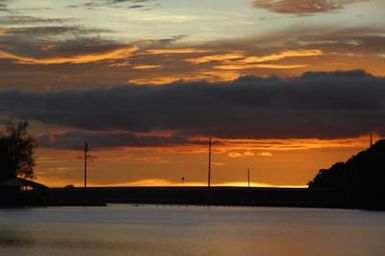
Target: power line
{"type": "Point", "coordinates": [209, 174]}
{"type": "Point", "coordinates": [85, 163]}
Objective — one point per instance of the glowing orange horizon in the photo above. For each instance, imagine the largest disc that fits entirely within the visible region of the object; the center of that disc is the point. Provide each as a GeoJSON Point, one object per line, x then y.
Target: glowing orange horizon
{"type": "Point", "coordinates": [169, 183]}
{"type": "Point", "coordinates": [274, 162]}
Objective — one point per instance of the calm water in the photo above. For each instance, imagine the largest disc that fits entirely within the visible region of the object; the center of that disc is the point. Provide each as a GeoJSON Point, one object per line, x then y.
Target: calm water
{"type": "Point", "coordinates": [179, 230]}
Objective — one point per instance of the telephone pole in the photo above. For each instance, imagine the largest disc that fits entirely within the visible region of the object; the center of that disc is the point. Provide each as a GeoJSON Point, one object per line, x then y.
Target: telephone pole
{"type": "Point", "coordinates": [209, 174]}
{"type": "Point", "coordinates": [248, 177]}
{"type": "Point", "coordinates": [85, 163]}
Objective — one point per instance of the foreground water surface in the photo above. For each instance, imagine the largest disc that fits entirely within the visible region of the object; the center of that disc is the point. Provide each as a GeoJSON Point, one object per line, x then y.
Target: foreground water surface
{"type": "Point", "coordinates": [190, 230]}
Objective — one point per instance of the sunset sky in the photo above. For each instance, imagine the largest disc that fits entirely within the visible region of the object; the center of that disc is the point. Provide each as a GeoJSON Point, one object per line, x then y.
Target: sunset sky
{"type": "Point", "coordinates": [284, 87]}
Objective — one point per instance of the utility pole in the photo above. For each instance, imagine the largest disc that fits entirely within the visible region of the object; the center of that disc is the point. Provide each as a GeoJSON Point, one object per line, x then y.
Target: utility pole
{"type": "Point", "coordinates": [248, 177]}
{"type": "Point", "coordinates": [209, 175]}
{"type": "Point", "coordinates": [85, 163]}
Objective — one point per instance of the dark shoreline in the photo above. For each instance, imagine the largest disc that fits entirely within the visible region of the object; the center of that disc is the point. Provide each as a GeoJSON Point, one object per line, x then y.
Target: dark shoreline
{"type": "Point", "coordinates": [221, 196]}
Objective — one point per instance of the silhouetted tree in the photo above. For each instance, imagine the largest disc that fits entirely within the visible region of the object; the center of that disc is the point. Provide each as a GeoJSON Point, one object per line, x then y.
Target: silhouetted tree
{"type": "Point", "coordinates": [16, 152]}
{"type": "Point", "coordinates": [364, 171]}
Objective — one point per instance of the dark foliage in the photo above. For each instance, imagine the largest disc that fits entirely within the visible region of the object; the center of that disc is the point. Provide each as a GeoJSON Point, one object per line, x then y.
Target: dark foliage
{"type": "Point", "coordinates": [16, 152]}
{"type": "Point", "coordinates": [363, 172]}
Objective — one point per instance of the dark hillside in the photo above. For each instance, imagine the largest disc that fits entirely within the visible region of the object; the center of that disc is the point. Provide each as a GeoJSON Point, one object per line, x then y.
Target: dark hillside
{"type": "Point", "coordinates": [363, 173]}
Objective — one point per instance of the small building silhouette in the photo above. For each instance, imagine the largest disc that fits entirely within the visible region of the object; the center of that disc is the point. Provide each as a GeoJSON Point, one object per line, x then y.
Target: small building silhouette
{"type": "Point", "coordinates": [19, 184]}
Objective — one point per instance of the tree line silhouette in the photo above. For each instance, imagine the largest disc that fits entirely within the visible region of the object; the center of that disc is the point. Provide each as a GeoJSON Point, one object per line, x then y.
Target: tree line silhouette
{"type": "Point", "coordinates": [17, 149]}
{"type": "Point", "coordinates": [362, 172]}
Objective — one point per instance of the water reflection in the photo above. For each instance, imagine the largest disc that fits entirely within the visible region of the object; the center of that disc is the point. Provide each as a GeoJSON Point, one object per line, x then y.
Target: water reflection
{"type": "Point", "coordinates": [14, 237]}
{"type": "Point", "coordinates": [172, 230]}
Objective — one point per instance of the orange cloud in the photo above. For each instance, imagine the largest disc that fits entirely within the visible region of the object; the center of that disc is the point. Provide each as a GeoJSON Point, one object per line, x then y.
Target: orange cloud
{"type": "Point", "coordinates": [267, 145]}
{"type": "Point", "coordinates": [234, 154]}
{"type": "Point", "coordinates": [265, 154]}
{"type": "Point", "coordinates": [155, 80]}
{"type": "Point", "coordinates": [242, 58]}
{"type": "Point", "coordinates": [263, 66]}
{"type": "Point", "coordinates": [238, 154]}
{"type": "Point", "coordinates": [116, 54]}
{"type": "Point", "coordinates": [210, 76]}
{"type": "Point", "coordinates": [176, 51]}
{"type": "Point", "coordinates": [282, 55]}
{"type": "Point", "coordinates": [236, 148]}
{"type": "Point", "coordinates": [217, 57]}
{"type": "Point", "coordinates": [147, 66]}
{"type": "Point", "coordinates": [239, 60]}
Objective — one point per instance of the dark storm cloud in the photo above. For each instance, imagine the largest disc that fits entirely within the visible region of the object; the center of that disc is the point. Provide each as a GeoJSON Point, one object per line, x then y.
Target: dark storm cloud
{"type": "Point", "coordinates": [321, 105]}
{"type": "Point", "coordinates": [73, 140]}
{"type": "Point", "coordinates": [303, 6]}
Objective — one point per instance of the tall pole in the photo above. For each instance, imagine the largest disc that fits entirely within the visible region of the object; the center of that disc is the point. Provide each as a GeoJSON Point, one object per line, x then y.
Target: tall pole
{"type": "Point", "coordinates": [209, 178]}
{"type": "Point", "coordinates": [85, 163]}
{"type": "Point", "coordinates": [248, 177]}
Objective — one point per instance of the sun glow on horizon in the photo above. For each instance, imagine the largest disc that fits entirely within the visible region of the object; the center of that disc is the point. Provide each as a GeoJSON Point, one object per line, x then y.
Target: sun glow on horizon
{"type": "Point", "coordinates": [145, 166]}
{"type": "Point", "coordinates": [169, 183]}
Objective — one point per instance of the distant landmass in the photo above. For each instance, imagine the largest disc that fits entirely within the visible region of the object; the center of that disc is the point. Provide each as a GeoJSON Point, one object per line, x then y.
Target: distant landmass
{"type": "Point", "coordinates": [357, 183]}
{"type": "Point", "coordinates": [363, 173]}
